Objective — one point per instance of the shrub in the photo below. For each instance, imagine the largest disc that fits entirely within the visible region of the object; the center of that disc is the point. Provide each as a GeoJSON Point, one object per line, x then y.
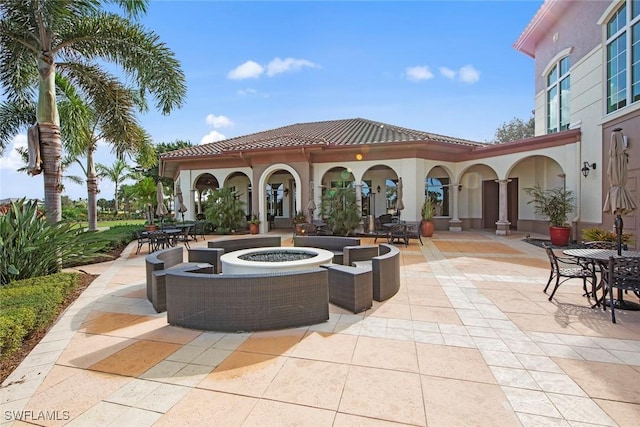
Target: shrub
{"type": "Point", "coordinates": [600, 234]}
{"type": "Point", "coordinates": [31, 247]}
{"type": "Point", "coordinates": [341, 211]}
{"type": "Point", "coordinates": [30, 305]}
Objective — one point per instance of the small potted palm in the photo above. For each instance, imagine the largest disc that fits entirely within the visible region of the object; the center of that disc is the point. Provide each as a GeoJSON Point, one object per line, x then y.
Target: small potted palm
{"type": "Point", "coordinates": [555, 204]}
{"type": "Point", "coordinates": [427, 226]}
{"type": "Point", "coordinates": [254, 224]}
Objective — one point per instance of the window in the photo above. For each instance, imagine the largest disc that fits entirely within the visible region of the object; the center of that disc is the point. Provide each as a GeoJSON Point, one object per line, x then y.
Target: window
{"type": "Point", "coordinates": [623, 56]}
{"type": "Point", "coordinates": [438, 190]}
{"type": "Point", "coordinates": [558, 82]}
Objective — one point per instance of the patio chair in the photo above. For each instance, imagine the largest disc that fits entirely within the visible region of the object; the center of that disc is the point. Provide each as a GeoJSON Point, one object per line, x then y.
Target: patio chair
{"type": "Point", "coordinates": [413, 231]}
{"type": "Point", "coordinates": [143, 239]}
{"type": "Point", "coordinates": [622, 273]}
{"type": "Point", "coordinates": [198, 230]}
{"type": "Point", "coordinates": [568, 268]}
{"type": "Point", "coordinates": [398, 234]}
{"type": "Point", "coordinates": [183, 237]}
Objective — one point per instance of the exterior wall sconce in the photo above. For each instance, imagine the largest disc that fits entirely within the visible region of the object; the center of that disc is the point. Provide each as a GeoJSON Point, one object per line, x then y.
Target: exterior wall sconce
{"type": "Point", "coordinates": [286, 191]}
{"type": "Point", "coordinates": [459, 187]}
{"type": "Point", "coordinates": [378, 189]}
{"type": "Point", "coordinates": [586, 167]}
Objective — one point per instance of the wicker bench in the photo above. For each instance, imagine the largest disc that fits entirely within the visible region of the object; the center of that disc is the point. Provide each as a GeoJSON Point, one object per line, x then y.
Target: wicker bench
{"type": "Point", "coordinates": [386, 272]}
{"type": "Point", "coordinates": [230, 245]}
{"type": "Point", "coordinates": [334, 244]}
{"type": "Point", "coordinates": [220, 302]}
{"type": "Point", "coordinates": [350, 287]}
{"type": "Point", "coordinates": [157, 264]}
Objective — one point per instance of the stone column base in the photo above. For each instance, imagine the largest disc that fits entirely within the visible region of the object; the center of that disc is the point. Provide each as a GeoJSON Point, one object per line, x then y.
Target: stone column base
{"type": "Point", "coordinates": [455, 225]}
{"type": "Point", "coordinates": [503, 228]}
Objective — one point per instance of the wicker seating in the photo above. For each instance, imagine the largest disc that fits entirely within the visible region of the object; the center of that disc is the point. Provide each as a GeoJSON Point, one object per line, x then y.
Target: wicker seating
{"type": "Point", "coordinates": [334, 244]}
{"type": "Point", "coordinates": [219, 302]}
{"type": "Point", "coordinates": [568, 268]}
{"type": "Point", "coordinates": [350, 287]}
{"type": "Point", "coordinates": [157, 266]}
{"type": "Point", "coordinates": [386, 272]}
{"type": "Point", "coordinates": [353, 254]}
{"type": "Point", "coordinates": [622, 273]}
{"type": "Point", "coordinates": [230, 245]}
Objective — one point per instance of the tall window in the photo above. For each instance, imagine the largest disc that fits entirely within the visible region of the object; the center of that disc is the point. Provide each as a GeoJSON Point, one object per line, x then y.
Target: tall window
{"type": "Point", "coordinates": [623, 64]}
{"type": "Point", "coordinates": [558, 83]}
{"type": "Point", "coordinates": [438, 190]}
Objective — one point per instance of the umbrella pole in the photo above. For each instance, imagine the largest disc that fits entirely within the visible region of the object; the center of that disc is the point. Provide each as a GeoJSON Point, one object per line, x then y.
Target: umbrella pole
{"type": "Point", "coordinates": [619, 224]}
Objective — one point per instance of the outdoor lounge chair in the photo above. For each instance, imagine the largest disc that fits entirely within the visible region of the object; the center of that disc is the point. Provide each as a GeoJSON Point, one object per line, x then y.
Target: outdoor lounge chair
{"type": "Point", "coordinates": [622, 273]}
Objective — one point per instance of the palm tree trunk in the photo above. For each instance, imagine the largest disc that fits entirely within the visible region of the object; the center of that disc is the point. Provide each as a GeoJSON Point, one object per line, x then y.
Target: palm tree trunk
{"type": "Point", "coordinates": [92, 191]}
{"type": "Point", "coordinates": [51, 152]}
{"type": "Point", "coordinates": [115, 199]}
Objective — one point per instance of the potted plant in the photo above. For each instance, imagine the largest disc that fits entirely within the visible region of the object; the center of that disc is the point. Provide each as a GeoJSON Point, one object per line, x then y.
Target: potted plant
{"type": "Point", "coordinates": [149, 224]}
{"type": "Point", "coordinates": [254, 224]}
{"type": "Point", "coordinates": [298, 219]}
{"type": "Point", "coordinates": [426, 225]}
{"type": "Point", "coordinates": [555, 204]}
{"type": "Point", "coordinates": [341, 211]}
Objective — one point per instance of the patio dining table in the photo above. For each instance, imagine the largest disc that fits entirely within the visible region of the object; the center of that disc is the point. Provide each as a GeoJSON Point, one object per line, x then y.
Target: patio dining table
{"type": "Point", "coordinates": [161, 239]}
{"type": "Point", "coordinates": [601, 257]}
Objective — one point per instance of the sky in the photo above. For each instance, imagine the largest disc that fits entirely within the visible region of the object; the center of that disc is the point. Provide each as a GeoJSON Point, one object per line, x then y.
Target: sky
{"type": "Point", "coordinates": [446, 67]}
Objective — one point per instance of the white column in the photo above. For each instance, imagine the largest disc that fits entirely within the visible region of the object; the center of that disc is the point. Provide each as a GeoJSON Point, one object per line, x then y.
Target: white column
{"type": "Point", "coordinates": [454, 223]}
{"type": "Point", "coordinates": [503, 224]}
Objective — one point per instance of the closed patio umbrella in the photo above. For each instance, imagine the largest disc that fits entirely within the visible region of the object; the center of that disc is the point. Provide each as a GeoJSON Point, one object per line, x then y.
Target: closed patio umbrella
{"type": "Point", "coordinates": [161, 210]}
{"type": "Point", "coordinates": [399, 202]}
{"type": "Point", "coordinates": [181, 207]}
{"type": "Point", "coordinates": [311, 206]}
{"type": "Point", "coordinates": [618, 201]}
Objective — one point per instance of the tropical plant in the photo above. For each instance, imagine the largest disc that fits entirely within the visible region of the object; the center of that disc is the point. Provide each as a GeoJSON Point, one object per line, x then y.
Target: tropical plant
{"type": "Point", "coordinates": [225, 210]}
{"type": "Point", "coordinates": [427, 209]}
{"type": "Point", "coordinates": [554, 204]}
{"type": "Point", "coordinates": [340, 210]}
{"type": "Point", "coordinates": [596, 234]}
{"type": "Point", "coordinates": [299, 218]}
{"type": "Point", "coordinates": [116, 173]}
{"type": "Point", "coordinates": [30, 246]}
{"type": "Point", "coordinates": [255, 219]}
{"type": "Point", "coordinates": [35, 33]}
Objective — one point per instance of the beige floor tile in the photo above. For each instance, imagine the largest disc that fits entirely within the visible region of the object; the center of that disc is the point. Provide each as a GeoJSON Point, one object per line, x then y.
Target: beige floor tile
{"type": "Point", "coordinates": [326, 346]}
{"type": "Point", "coordinates": [85, 350]}
{"type": "Point", "coordinates": [604, 380]}
{"type": "Point", "coordinates": [450, 402]}
{"type": "Point", "coordinates": [386, 354]}
{"type": "Point", "coordinates": [244, 373]}
{"type": "Point", "coordinates": [309, 382]}
{"type": "Point", "coordinates": [100, 414]}
{"type": "Point", "coordinates": [624, 414]}
{"type": "Point", "coordinates": [204, 407]}
{"type": "Point", "coordinates": [136, 358]}
{"type": "Point", "coordinates": [530, 402]}
{"type": "Point", "coordinates": [391, 309]}
{"type": "Point", "coordinates": [77, 393]}
{"type": "Point", "coordinates": [435, 314]}
{"type": "Point", "coordinates": [137, 417]}
{"type": "Point", "coordinates": [580, 409]}
{"type": "Point", "coordinates": [272, 342]}
{"type": "Point", "coordinates": [348, 420]}
{"type": "Point", "coordinates": [529, 420]}
{"type": "Point", "coordinates": [106, 323]}
{"type": "Point", "coordinates": [271, 413]}
{"type": "Point", "coordinates": [384, 394]}
{"type": "Point", "coordinates": [453, 362]}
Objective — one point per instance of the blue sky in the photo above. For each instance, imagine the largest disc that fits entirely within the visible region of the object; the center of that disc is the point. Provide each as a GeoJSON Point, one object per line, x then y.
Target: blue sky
{"type": "Point", "coordinates": [446, 67]}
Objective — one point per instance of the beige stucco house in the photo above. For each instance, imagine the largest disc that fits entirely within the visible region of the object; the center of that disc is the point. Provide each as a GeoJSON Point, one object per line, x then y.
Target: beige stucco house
{"type": "Point", "coordinates": [585, 87]}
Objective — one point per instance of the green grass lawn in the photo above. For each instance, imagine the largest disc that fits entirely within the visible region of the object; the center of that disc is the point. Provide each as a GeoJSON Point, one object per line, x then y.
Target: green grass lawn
{"type": "Point", "coordinates": [114, 223]}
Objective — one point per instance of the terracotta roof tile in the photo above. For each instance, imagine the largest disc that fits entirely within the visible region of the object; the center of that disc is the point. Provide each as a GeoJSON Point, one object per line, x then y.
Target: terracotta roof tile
{"type": "Point", "coordinates": [329, 133]}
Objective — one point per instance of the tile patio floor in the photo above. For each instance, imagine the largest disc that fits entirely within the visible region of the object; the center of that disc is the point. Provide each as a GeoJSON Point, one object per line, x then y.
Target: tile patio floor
{"type": "Point", "coordinates": [470, 339]}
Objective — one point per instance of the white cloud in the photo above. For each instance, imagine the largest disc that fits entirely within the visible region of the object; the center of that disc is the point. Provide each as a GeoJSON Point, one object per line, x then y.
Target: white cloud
{"type": "Point", "coordinates": [278, 66]}
{"type": "Point", "coordinates": [247, 91]}
{"type": "Point", "coordinates": [419, 73]}
{"type": "Point", "coordinates": [212, 136]}
{"type": "Point", "coordinates": [248, 70]}
{"type": "Point", "coordinates": [448, 73]}
{"type": "Point", "coordinates": [219, 121]}
{"type": "Point", "coordinates": [12, 160]}
{"type": "Point", "coordinates": [468, 74]}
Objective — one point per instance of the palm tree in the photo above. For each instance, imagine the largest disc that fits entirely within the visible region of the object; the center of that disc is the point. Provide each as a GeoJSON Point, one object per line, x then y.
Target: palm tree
{"type": "Point", "coordinates": [34, 34]}
{"type": "Point", "coordinates": [118, 172]}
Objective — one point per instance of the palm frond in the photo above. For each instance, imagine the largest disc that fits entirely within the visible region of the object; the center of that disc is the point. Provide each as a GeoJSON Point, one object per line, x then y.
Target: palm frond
{"type": "Point", "coordinates": [14, 117]}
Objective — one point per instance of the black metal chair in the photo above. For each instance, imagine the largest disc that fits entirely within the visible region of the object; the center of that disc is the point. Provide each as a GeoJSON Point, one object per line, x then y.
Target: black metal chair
{"type": "Point", "coordinates": [143, 239]}
{"type": "Point", "coordinates": [568, 268]}
{"type": "Point", "coordinates": [622, 273]}
{"type": "Point", "coordinates": [398, 234]}
{"type": "Point", "coordinates": [183, 236]}
{"type": "Point", "coordinates": [413, 231]}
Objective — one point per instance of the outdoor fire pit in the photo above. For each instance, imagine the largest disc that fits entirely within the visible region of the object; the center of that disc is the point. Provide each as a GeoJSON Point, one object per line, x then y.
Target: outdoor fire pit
{"type": "Point", "coordinates": [273, 259]}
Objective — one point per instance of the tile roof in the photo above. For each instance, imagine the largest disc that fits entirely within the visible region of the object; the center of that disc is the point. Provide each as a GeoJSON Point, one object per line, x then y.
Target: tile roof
{"type": "Point", "coordinates": [331, 133]}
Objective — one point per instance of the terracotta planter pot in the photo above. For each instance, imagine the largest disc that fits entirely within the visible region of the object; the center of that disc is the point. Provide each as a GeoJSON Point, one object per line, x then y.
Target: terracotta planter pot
{"type": "Point", "coordinates": [560, 235]}
{"type": "Point", "coordinates": [254, 228]}
{"type": "Point", "coordinates": [150, 227]}
{"type": "Point", "coordinates": [427, 228]}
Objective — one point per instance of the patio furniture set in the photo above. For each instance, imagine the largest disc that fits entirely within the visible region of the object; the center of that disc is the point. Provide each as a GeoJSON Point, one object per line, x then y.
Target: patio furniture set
{"type": "Point", "coordinates": [197, 294]}
{"type": "Point", "coordinates": [617, 269]}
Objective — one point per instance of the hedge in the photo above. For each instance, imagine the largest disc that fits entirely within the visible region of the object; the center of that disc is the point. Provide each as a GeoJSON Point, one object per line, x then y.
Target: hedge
{"type": "Point", "coordinates": [30, 305]}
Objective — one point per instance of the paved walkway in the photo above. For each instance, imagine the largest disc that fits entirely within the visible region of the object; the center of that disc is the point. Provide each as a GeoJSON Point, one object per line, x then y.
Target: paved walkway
{"type": "Point", "coordinates": [470, 339]}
